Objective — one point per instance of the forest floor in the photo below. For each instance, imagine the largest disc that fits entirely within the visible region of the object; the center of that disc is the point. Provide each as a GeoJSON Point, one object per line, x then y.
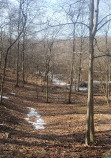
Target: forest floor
{"type": "Point", "coordinates": [64, 133]}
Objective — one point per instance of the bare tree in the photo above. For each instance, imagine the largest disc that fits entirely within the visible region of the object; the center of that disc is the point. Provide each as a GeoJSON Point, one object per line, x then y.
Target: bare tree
{"type": "Point", "coordinates": [49, 52]}
{"type": "Point", "coordinates": [73, 14]}
{"type": "Point", "coordinates": [94, 11]}
{"type": "Point", "coordinates": [18, 43]}
{"type": "Point", "coordinates": [6, 56]}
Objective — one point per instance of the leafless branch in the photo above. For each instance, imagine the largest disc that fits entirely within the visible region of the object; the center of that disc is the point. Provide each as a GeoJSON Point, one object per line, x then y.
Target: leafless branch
{"type": "Point", "coordinates": [103, 24]}
{"type": "Point", "coordinates": [80, 23]}
{"type": "Point", "coordinates": [104, 55]}
{"type": "Point", "coordinates": [104, 18]}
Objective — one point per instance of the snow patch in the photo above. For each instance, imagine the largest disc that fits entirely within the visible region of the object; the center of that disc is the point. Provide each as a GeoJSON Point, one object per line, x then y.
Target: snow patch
{"type": "Point", "coordinates": [4, 97]}
{"type": "Point", "coordinates": [12, 93]}
{"type": "Point", "coordinates": [83, 88]}
{"type": "Point", "coordinates": [59, 82]}
{"type": "Point", "coordinates": [56, 81]}
{"type": "Point", "coordinates": [35, 119]}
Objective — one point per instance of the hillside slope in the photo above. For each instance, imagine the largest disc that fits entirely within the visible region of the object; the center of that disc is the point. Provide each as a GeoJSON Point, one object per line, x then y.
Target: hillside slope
{"type": "Point", "coordinates": [64, 133]}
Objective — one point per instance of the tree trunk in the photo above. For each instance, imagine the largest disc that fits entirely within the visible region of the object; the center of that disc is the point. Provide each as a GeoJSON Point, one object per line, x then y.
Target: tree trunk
{"type": "Point", "coordinates": [90, 106]}
{"type": "Point", "coordinates": [23, 60]}
{"type": "Point", "coordinates": [71, 84]}
{"type": "Point", "coordinates": [1, 55]}
{"type": "Point", "coordinates": [18, 51]}
{"type": "Point", "coordinates": [107, 71]}
{"type": "Point", "coordinates": [47, 78]}
{"type": "Point", "coordinates": [47, 88]}
{"type": "Point", "coordinates": [79, 71]}
{"type": "Point", "coordinates": [2, 83]}
{"type": "Point", "coordinates": [17, 66]}
{"type": "Point", "coordinates": [72, 68]}
{"type": "Point", "coordinates": [37, 92]}
{"type": "Point", "coordinates": [3, 76]}
{"type": "Point", "coordinates": [107, 85]}
{"type": "Point", "coordinates": [90, 135]}
{"type": "Point", "coordinates": [79, 74]}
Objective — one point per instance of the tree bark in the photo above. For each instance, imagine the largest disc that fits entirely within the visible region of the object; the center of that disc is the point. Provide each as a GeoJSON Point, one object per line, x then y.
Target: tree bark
{"type": "Point", "coordinates": [23, 60]}
{"type": "Point", "coordinates": [18, 49]}
{"type": "Point", "coordinates": [1, 55]}
{"type": "Point", "coordinates": [17, 66]}
{"type": "Point", "coordinates": [107, 71]}
{"type": "Point", "coordinates": [79, 71]}
{"type": "Point", "coordinates": [90, 106]}
{"type": "Point", "coordinates": [72, 68]}
{"type": "Point", "coordinates": [47, 88]}
{"type": "Point", "coordinates": [94, 11]}
{"type": "Point", "coordinates": [71, 81]}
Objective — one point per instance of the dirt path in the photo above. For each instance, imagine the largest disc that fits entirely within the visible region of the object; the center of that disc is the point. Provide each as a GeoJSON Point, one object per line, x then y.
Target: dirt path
{"type": "Point", "coordinates": [64, 133]}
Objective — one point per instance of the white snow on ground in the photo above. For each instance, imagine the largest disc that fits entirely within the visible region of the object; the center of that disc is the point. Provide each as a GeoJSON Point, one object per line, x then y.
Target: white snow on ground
{"type": "Point", "coordinates": [97, 82]}
{"type": "Point", "coordinates": [4, 97]}
{"type": "Point", "coordinates": [59, 82]}
{"type": "Point", "coordinates": [83, 88]}
{"type": "Point", "coordinates": [12, 93]}
{"type": "Point", "coordinates": [38, 122]}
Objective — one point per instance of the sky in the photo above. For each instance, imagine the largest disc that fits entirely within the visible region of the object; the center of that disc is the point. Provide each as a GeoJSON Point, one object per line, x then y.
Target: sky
{"type": "Point", "coordinates": [56, 17]}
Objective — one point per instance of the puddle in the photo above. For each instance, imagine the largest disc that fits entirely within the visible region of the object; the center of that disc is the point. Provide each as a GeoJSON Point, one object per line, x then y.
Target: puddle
{"type": "Point", "coordinates": [35, 119]}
